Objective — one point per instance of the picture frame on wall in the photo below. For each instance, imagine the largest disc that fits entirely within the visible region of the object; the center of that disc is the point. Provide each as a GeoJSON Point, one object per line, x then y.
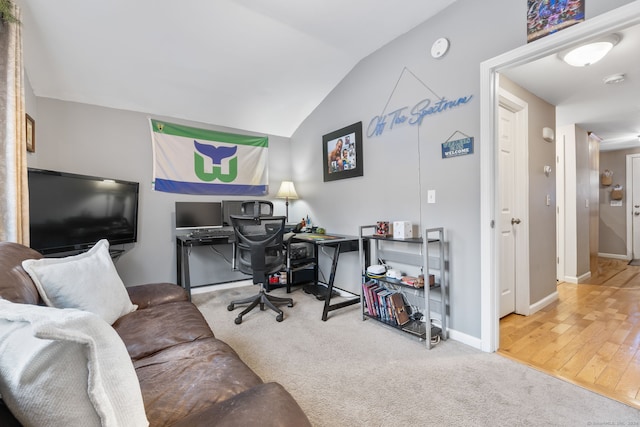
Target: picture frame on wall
{"type": "Point", "coordinates": [342, 153]}
{"type": "Point", "coordinates": [30, 133]}
{"type": "Point", "coordinates": [545, 17]}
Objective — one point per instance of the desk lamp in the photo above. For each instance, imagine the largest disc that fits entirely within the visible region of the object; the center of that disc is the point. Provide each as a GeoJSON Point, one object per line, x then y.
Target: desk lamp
{"type": "Point", "coordinates": [287, 191]}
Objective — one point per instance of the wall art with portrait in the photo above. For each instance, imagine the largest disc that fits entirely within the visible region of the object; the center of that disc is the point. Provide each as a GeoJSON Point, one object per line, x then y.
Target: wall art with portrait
{"type": "Point", "coordinates": [342, 153]}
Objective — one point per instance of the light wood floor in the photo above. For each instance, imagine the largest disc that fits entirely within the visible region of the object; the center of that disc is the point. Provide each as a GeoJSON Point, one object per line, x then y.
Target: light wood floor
{"type": "Point", "coordinates": [590, 336]}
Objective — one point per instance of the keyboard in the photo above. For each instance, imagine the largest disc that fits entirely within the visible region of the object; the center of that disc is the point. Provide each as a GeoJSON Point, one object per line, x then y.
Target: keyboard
{"type": "Point", "coordinates": [208, 234]}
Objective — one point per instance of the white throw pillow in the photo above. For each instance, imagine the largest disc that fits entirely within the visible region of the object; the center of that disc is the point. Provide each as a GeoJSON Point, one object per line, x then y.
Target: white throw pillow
{"type": "Point", "coordinates": [66, 367]}
{"type": "Point", "coordinates": [88, 281]}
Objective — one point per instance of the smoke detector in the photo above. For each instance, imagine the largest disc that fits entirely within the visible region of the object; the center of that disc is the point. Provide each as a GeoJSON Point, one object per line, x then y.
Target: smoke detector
{"type": "Point", "coordinates": [614, 78]}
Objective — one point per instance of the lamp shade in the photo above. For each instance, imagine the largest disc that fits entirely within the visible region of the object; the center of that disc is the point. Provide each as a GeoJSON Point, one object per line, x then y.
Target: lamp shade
{"type": "Point", "coordinates": [287, 191]}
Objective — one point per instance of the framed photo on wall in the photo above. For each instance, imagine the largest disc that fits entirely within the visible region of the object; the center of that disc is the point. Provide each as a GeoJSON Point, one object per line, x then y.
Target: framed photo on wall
{"type": "Point", "coordinates": [31, 133]}
{"type": "Point", "coordinates": [342, 153]}
{"type": "Point", "coordinates": [548, 16]}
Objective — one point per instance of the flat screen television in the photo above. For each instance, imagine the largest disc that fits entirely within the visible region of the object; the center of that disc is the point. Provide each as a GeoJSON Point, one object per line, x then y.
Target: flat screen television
{"type": "Point", "coordinates": [71, 212]}
{"type": "Point", "coordinates": [198, 215]}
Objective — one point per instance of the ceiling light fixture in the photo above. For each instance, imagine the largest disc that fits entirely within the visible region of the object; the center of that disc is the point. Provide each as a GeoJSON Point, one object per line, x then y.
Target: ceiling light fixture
{"type": "Point", "coordinates": [590, 53]}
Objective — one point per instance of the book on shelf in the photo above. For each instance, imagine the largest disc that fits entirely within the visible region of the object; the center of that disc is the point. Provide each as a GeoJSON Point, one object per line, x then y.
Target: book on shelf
{"type": "Point", "coordinates": [385, 304]}
{"type": "Point", "coordinates": [399, 310]}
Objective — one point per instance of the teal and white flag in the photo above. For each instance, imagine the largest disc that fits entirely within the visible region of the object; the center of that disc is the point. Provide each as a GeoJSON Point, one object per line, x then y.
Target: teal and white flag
{"type": "Point", "coordinates": [198, 161]}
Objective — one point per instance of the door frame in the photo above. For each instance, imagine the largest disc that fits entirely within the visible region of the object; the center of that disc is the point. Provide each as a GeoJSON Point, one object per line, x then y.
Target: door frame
{"type": "Point", "coordinates": [521, 209]}
{"type": "Point", "coordinates": [629, 210]}
{"type": "Point", "coordinates": [601, 25]}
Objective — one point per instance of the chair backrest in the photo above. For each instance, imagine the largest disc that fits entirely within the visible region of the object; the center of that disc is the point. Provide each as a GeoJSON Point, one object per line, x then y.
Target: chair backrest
{"type": "Point", "coordinates": [259, 242]}
{"type": "Point", "coordinates": [257, 208]}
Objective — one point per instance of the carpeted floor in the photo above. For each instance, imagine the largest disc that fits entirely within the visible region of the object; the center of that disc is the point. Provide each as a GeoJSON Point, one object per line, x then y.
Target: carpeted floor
{"type": "Point", "coordinates": [349, 372]}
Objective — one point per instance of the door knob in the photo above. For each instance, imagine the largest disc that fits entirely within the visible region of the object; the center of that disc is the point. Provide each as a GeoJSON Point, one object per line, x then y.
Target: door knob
{"type": "Point", "coordinates": [517, 221]}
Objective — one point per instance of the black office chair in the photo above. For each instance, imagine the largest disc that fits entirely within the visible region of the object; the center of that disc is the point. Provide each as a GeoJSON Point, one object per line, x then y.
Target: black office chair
{"type": "Point", "coordinates": [257, 208]}
{"type": "Point", "coordinates": [261, 253]}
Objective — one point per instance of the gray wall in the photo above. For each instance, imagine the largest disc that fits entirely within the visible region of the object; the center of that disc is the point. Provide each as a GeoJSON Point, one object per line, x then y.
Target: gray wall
{"type": "Point", "coordinates": [402, 164]}
{"type": "Point", "coordinates": [99, 141]}
{"type": "Point", "coordinates": [613, 219]}
{"type": "Point", "coordinates": [399, 166]}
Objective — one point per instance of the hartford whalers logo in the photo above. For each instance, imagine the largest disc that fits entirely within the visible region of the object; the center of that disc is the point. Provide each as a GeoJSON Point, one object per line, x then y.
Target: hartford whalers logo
{"type": "Point", "coordinates": [216, 154]}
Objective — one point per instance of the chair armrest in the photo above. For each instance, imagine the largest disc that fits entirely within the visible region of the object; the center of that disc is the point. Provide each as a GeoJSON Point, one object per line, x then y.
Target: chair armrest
{"type": "Point", "coordinates": [156, 293]}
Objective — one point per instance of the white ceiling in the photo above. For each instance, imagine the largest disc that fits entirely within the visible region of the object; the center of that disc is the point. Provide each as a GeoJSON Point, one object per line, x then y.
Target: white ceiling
{"type": "Point", "coordinates": [258, 65]}
{"type": "Point", "coordinates": [263, 66]}
{"type": "Point", "coordinates": [611, 111]}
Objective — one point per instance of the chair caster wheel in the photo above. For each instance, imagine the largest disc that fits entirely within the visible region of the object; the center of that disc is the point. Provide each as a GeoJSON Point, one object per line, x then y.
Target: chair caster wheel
{"type": "Point", "coordinates": [279, 317]}
{"type": "Point", "coordinates": [238, 320]}
{"type": "Point", "coordinates": [290, 304]}
{"type": "Point", "coordinates": [230, 307]}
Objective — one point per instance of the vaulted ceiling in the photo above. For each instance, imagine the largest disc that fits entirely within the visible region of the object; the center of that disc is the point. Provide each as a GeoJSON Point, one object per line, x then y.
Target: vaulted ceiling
{"type": "Point", "coordinates": [258, 65]}
{"type": "Point", "coordinates": [264, 66]}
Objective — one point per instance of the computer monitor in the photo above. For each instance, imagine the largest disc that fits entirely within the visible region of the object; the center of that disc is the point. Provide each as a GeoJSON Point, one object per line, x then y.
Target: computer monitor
{"type": "Point", "coordinates": [198, 215]}
{"type": "Point", "coordinates": [231, 207]}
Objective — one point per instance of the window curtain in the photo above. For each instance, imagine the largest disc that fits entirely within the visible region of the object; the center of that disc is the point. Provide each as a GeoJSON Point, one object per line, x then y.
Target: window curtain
{"type": "Point", "coordinates": [14, 197]}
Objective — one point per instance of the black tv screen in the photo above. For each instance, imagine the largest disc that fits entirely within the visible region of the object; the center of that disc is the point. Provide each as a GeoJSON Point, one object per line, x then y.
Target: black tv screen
{"type": "Point", "coordinates": [71, 212]}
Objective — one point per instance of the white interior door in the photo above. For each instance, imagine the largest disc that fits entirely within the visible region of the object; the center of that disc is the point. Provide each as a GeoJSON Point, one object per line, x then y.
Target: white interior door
{"type": "Point", "coordinates": [508, 219]}
{"type": "Point", "coordinates": [635, 206]}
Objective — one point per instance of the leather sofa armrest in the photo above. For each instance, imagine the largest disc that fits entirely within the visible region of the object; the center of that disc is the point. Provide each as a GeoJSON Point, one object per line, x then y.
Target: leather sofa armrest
{"type": "Point", "coordinates": [6, 417]}
{"type": "Point", "coordinates": [153, 294]}
{"type": "Point", "coordinates": [266, 405]}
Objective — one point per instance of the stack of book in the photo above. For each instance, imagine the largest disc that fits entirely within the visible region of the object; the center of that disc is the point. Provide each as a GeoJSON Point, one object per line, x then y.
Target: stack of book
{"type": "Point", "coordinates": [384, 304]}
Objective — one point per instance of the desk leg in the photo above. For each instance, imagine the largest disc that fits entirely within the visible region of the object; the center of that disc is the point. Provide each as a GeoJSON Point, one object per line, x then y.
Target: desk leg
{"type": "Point", "coordinates": [185, 268]}
{"type": "Point", "coordinates": [179, 263]}
{"type": "Point", "coordinates": [327, 302]}
{"type": "Point", "coordinates": [314, 287]}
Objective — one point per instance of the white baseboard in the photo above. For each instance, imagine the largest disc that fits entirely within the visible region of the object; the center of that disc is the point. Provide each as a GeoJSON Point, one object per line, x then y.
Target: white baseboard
{"type": "Point", "coordinates": [465, 339]}
{"type": "Point", "coordinates": [615, 256]}
{"type": "Point", "coordinates": [543, 303]}
{"type": "Point", "coordinates": [219, 287]}
{"type": "Point", "coordinates": [586, 276]}
{"type": "Point", "coordinates": [580, 279]}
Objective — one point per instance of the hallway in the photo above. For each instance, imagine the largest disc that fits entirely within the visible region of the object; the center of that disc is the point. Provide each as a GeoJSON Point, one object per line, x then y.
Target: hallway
{"type": "Point", "coordinates": [590, 336]}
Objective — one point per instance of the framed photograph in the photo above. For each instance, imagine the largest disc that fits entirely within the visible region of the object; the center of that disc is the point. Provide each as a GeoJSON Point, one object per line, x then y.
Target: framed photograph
{"type": "Point", "coordinates": [342, 153]}
{"type": "Point", "coordinates": [548, 16]}
{"type": "Point", "coordinates": [31, 134]}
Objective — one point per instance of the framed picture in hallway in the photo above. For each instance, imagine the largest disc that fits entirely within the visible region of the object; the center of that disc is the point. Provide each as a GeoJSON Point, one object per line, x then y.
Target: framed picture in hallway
{"type": "Point", "coordinates": [31, 133]}
{"type": "Point", "coordinates": [548, 16]}
{"type": "Point", "coordinates": [342, 153]}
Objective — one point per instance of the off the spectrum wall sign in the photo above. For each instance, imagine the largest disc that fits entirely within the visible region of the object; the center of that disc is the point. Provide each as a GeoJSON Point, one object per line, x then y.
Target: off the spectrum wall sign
{"type": "Point", "coordinates": [413, 115]}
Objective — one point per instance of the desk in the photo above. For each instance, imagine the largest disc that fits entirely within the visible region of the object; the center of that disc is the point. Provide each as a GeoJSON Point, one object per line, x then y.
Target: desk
{"type": "Point", "coordinates": [340, 244]}
{"type": "Point", "coordinates": [184, 244]}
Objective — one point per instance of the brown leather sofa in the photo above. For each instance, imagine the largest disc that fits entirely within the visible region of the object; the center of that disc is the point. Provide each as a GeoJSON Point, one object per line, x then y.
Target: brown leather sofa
{"type": "Point", "coordinates": [187, 376]}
